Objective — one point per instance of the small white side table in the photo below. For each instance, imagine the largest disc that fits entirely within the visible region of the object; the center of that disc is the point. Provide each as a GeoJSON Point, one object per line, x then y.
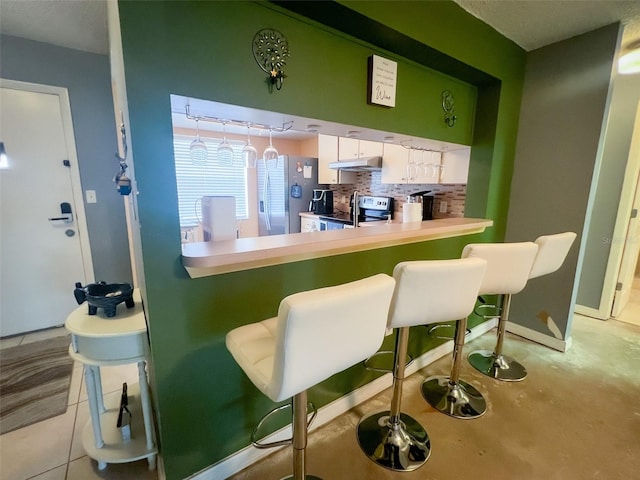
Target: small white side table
{"type": "Point", "coordinates": [98, 341]}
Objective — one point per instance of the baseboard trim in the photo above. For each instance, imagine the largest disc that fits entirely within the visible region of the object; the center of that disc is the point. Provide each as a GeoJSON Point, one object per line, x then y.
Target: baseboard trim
{"type": "Point", "coordinates": [160, 468]}
{"type": "Point", "coordinates": [249, 455]}
{"type": "Point", "coordinates": [592, 312]}
{"type": "Point", "coordinates": [541, 338]}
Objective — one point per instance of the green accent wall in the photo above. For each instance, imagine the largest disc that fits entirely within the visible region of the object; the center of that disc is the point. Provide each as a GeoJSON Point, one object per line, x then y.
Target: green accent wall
{"type": "Point", "coordinates": [205, 405]}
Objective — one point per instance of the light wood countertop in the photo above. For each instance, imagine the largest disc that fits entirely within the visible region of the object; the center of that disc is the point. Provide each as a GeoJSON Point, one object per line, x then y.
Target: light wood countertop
{"type": "Point", "coordinates": [212, 258]}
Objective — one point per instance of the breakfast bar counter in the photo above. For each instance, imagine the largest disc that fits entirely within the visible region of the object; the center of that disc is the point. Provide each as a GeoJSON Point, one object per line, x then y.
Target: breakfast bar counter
{"type": "Point", "coordinates": [212, 258]}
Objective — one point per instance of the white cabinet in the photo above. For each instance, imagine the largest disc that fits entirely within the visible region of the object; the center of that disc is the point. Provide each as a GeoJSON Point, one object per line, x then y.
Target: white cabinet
{"type": "Point", "coordinates": [455, 166]}
{"type": "Point", "coordinates": [350, 148]}
{"type": "Point", "coordinates": [427, 165]}
{"type": "Point", "coordinates": [327, 153]}
{"type": "Point", "coordinates": [404, 165]}
{"type": "Point", "coordinates": [309, 224]}
{"type": "Point", "coordinates": [395, 159]}
{"type": "Point", "coordinates": [401, 165]}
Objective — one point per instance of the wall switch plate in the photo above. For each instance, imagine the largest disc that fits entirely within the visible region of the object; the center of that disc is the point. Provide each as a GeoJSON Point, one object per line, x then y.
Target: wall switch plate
{"type": "Point", "coordinates": [443, 207]}
{"type": "Point", "coordinates": [91, 196]}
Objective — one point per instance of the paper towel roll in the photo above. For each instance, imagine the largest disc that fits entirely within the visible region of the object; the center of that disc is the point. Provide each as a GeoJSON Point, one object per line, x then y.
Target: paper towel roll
{"type": "Point", "coordinates": [411, 212]}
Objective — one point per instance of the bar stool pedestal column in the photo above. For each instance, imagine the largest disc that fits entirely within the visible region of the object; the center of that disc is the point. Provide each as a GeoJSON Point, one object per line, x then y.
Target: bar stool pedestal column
{"type": "Point", "coordinates": [495, 364]}
{"type": "Point", "coordinates": [390, 438]}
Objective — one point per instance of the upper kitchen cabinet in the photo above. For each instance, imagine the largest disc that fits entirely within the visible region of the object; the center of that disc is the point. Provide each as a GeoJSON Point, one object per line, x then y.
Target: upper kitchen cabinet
{"type": "Point", "coordinates": [327, 153]}
{"type": "Point", "coordinates": [402, 165]}
{"type": "Point", "coordinates": [395, 162]}
{"type": "Point", "coordinates": [455, 166]}
{"type": "Point", "coordinates": [351, 148]}
{"type": "Point", "coordinates": [407, 165]}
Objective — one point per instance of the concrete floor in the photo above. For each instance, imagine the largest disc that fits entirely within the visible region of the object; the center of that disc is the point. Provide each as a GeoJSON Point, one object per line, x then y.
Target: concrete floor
{"type": "Point", "coordinates": [576, 416]}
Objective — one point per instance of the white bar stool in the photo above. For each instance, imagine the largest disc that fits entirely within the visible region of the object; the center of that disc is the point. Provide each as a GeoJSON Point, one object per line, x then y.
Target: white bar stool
{"type": "Point", "coordinates": [316, 334]}
{"type": "Point", "coordinates": [426, 292]}
{"type": "Point", "coordinates": [508, 268]}
{"type": "Point", "coordinates": [449, 394]}
{"type": "Point", "coordinates": [552, 252]}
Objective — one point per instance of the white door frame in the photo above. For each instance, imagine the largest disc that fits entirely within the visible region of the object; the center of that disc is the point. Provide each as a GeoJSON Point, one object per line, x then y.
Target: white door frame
{"type": "Point", "coordinates": [620, 231]}
{"type": "Point", "coordinates": [76, 184]}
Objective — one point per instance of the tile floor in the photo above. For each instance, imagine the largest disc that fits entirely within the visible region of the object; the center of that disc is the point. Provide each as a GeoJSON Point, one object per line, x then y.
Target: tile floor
{"type": "Point", "coordinates": [52, 449]}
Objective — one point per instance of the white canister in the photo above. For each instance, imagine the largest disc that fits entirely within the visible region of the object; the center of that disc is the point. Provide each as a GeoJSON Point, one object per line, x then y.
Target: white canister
{"type": "Point", "coordinates": [411, 212]}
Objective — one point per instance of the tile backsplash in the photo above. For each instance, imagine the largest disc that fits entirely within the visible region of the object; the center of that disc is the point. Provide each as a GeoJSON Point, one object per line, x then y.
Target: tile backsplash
{"type": "Point", "coordinates": [368, 183]}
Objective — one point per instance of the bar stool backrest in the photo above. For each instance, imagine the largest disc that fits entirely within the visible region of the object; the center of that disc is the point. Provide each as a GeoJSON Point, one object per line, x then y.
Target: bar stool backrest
{"type": "Point", "coordinates": [434, 291]}
{"type": "Point", "coordinates": [324, 331]}
{"type": "Point", "coordinates": [552, 251]}
{"type": "Point", "coordinates": [508, 265]}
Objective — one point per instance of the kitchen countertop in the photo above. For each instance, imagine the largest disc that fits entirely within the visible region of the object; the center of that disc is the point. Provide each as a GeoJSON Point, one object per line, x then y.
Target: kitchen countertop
{"type": "Point", "coordinates": [213, 258]}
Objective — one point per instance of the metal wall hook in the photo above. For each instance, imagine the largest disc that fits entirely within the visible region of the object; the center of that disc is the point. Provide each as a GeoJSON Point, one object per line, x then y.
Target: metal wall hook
{"type": "Point", "coordinates": [276, 78]}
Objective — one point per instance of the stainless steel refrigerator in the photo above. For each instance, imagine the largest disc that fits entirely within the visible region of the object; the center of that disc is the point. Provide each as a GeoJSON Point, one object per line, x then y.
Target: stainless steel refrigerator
{"type": "Point", "coordinates": [285, 189]}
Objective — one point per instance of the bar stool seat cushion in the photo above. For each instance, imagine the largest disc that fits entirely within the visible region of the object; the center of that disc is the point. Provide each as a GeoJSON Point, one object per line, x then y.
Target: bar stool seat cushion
{"type": "Point", "coordinates": [316, 334]}
{"type": "Point", "coordinates": [253, 347]}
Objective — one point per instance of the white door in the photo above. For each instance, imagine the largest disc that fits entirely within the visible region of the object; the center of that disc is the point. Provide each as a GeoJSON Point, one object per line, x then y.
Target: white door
{"type": "Point", "coordinates": [43, 245]}
{"type": "Point", "coordinates": [629, 259]}
{"type": "Point", "coordinates": [632, 239]}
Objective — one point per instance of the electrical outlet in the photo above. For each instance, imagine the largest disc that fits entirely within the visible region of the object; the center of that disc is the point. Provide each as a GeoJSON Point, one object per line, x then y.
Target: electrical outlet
{"type": "Point", "coordinates": [443, 207]}
{"type": "Point", "coordinates": [91, 196]}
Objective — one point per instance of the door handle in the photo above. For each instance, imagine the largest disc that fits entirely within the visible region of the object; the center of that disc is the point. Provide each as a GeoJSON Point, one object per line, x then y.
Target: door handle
{"type": "Point", "coordinates": [67, 214]}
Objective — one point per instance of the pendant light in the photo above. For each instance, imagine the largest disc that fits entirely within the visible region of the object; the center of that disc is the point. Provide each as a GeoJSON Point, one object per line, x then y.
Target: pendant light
{"type": "Point", "coordinates": [249, 152]}
{"type": "Point", "coordinates": [198, 149]}
{"type": "Point", "coordinates": [225, 152]}
{"type": "Point", "coordinates": [270, 153]}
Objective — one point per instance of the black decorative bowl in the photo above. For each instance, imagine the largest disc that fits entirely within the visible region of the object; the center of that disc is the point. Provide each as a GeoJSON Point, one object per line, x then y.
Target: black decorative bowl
{"type": "Point", "coordinates": [104, 295]}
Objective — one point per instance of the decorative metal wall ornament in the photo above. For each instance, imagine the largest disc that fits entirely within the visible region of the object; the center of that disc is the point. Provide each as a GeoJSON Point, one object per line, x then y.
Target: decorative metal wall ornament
{"type": "Point", "coordinates": [448, 107]}
{"type": "Point", "coordinates": [271, 50]}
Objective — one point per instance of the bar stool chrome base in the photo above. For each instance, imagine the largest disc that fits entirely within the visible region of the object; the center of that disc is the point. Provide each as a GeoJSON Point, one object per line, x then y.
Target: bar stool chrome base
{"type": "Point", "coordinates": [402, 446]}
{"type": "Point", "coordinates": [459, 399]}
{"type": "Point", "coordinates": [500, 367]}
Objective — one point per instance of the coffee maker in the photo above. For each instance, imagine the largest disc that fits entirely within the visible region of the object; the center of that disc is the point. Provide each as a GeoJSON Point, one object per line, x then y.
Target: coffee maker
{"type": "Point", "coordinates": [427, 203]}
{"type": "Point", "coordinates": [321, 202]}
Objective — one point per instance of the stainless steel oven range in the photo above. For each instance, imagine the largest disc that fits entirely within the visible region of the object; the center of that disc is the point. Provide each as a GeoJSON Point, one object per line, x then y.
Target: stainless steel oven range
{"type": "Point", "coordinates": [371, 209]}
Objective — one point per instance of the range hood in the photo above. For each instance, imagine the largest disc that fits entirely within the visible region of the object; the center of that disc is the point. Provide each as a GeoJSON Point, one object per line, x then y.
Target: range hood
{"type": "Point", "coordinates": [365, 164]}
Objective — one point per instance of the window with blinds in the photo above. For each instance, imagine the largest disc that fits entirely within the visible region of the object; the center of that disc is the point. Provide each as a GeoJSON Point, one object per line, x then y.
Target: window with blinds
{"type": "Point", "coordinates": [211, 178]}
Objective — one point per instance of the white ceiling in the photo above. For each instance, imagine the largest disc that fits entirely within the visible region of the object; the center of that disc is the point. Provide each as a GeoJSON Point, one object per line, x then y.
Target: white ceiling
{"type": "Point", "coordinates": [82, 25]}
{"type": "Point", "coordinates": [535, 23]}
{"type": "Point", "coordinates": [77, 24]}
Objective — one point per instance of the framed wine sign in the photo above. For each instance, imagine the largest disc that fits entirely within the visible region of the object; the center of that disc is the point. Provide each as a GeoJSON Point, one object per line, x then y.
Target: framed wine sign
{"type": "Point", "coordinates": [382, 76]}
